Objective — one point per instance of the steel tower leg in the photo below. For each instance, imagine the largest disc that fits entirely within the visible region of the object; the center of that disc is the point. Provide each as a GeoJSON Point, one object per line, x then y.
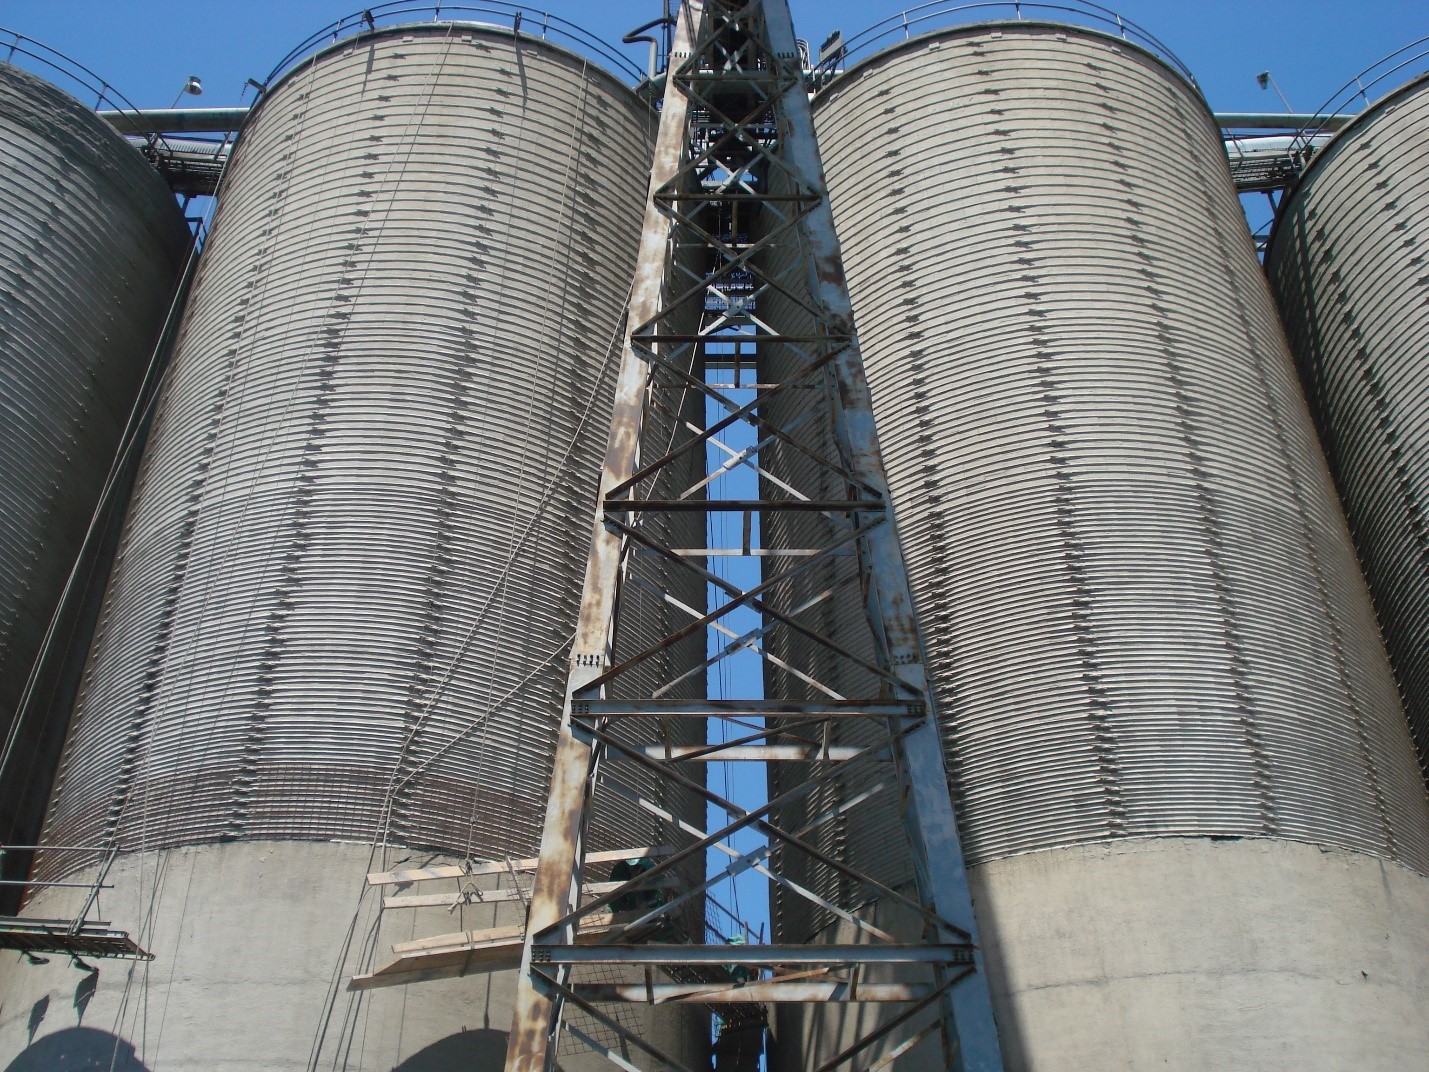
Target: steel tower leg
{"type": "Point", "coordinates": [736, 144]}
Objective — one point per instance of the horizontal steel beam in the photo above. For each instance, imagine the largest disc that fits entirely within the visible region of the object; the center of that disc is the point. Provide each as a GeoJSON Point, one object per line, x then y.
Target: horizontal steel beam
{"type": "Point", "coordinates": [701, 506]}
{"type": "Point", "coordinates": [750, 993]}
{"type": "Point", "coordinates": [766, 753]}
{"type": "Point", "coordinates": [672, 196]}
{"type": "Point", "coordinates": [752, 955]}
{"type": "Point", "coordinates": [744, 552]}
{"type": "Point", "coordinates": [755, 337]}
{"type": "Point", "coordinates": [607, 708]}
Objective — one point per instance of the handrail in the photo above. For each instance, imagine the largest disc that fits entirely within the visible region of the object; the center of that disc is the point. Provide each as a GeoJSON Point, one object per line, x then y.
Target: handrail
{"type": "Point", "coordinates": [514, 17]}
{"type": "Point", "coordinates": [1413, 57]}
{"type": "Point", "coordinates": [67, 74]}
{"type": "Point", "coordinates": [925, 18]}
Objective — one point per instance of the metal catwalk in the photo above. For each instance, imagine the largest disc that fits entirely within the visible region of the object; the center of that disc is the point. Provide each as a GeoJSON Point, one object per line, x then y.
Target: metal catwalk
{"type": "Point", "coordinates": [738, 225]}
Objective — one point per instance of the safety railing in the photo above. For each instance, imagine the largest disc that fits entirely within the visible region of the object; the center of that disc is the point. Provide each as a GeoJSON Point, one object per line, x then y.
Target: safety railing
{"type": "Point", "coordinates": [69, 75]}
{"type": "Point", "coordinates": [1403, 66]}
{"type": "Point", "coordinates": [511, 17]}
{"type": "Point", "coordinates": [837, 53]}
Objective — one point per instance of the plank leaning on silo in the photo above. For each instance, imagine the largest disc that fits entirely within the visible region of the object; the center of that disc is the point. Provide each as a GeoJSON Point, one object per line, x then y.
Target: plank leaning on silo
{"type": "Point", "coordinates": [91, 244]}
{"type": "Point", "coordinates": [353, 561]}
{"type": "Point", "coordinates": [1187, 792]}
{"type": "Point", "coordinates": [1347, 263]}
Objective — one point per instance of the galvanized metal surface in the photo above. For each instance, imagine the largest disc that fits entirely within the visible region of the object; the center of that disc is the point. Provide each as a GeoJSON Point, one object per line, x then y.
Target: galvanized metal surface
{"type": "Point", "coordinates": [349, 576]}
{"type": "Point", "coordinates": [1346, 262]}
{"type": "Point", "coordinates": [930, 830]}
{"type": "Point", "coordinates": [91, 244]}
{"type": "Point", "coordinates": [1144, 616]}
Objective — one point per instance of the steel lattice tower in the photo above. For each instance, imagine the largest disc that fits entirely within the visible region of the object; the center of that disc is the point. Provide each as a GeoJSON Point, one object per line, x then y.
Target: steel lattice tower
{"type": "Point", "coordinates": [737, 177]}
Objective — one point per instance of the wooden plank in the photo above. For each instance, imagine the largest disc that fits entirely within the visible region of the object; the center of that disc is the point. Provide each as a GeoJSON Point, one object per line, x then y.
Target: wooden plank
{"type": "Point", "coordinates": [451, 956]}
{"type": "Point", "coordinates": [461, 940]}
{"type": "Point", "coordinates": [453, 964]}
{"type": "Point", "coordinates": [503, 867]}
{"type": "Point", "coordinates": [482, 897]}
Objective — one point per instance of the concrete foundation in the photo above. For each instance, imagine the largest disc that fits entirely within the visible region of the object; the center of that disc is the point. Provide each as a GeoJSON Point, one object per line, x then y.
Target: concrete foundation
{"type": "Point", "coordinates": [1188, 955]}
{"type": "Point", "coordinates": [254, 943]}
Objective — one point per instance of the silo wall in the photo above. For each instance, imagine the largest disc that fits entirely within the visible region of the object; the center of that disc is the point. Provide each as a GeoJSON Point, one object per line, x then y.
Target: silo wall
{"type": "Point", "coordinates": [91, 244]}
{"type": "Point", "coordinates": [1189, 801]}
{"type": "Point", "coordinates": [1346, 263]}
{"type": "Point", "coordinates": [335, 639]}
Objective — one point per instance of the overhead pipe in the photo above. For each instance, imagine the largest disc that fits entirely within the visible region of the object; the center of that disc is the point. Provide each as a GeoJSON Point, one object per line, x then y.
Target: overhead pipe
{"type": "Point", "coordinates": [1281, 120]}
{"type": "Point", "coordinates": [176, 120]}
{"type": "Point", "coordinates": [220, 120]}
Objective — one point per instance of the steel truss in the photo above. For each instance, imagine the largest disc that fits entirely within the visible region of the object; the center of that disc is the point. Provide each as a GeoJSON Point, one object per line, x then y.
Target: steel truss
{"type": "Point", "coordinates": [736, 179]}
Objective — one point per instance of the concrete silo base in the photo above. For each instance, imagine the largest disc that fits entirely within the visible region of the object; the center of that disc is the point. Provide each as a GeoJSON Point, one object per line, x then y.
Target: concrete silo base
{"type": "Point", "coordinates": [1193, 955]}
{"type": "Point", "coordinates": [254, 944]}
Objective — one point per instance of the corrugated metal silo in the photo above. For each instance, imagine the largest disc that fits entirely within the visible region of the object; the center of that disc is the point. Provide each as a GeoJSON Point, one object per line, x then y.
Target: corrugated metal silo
{"type": "Point", "coordinates": [1347, 263]}
{"type": "Point", "coordinates": [1197, 836]}
{"type": "Point", "coordinates": [335, 639]}
{"type": "Point", "coordinates": [91, 243]}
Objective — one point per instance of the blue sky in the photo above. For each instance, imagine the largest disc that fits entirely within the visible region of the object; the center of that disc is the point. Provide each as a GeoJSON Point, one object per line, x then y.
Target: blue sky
{"type": "Point", "coordinates": [147, 48]}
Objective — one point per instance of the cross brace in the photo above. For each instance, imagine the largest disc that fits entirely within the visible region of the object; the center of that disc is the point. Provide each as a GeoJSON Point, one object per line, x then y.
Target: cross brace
{"type": "Point", "coordinates": [738, 256]}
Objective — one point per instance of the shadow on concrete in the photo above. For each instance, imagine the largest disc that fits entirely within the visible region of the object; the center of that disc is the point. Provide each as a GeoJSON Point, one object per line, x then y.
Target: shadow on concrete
{"type": "Point", "coordinates": [483, 1048]}
{"type": "Point", "coordinates": [78, 1049]}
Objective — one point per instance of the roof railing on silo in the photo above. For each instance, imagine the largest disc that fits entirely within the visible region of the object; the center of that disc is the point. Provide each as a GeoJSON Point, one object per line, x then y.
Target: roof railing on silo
{"type": "Point", "coordinates": [930, 17]}
{"type": "Point", "coordinates": [71, 76]}
{"type": "Point", "coordinates": [1405, 65]}
{"type": "Point", "coordinates": [512, 18]}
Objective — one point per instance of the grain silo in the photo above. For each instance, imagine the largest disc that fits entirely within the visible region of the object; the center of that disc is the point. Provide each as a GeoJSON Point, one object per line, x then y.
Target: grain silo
{"type": "Point", "coordinates": [335, 638]}
{"type": "Point", "coordinates": [1346, 260]}
{"type": "Point", "coordinates": [1196, 832]}
{"type": "Point", "coordinates": [91, 243]}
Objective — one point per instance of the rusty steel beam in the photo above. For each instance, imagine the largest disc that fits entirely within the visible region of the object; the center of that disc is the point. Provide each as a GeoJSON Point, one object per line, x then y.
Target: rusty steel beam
{"type": "Point", "coordinates": [534, 1012]}
{"type": "Point", "coordinates": [736, 113]}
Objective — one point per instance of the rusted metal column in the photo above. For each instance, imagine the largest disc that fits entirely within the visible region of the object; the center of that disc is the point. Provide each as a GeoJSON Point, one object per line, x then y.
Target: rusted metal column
{"type": "Point", "coordinates": [558, 876]}
{"type": "Point", "coordinates": [737, 185]}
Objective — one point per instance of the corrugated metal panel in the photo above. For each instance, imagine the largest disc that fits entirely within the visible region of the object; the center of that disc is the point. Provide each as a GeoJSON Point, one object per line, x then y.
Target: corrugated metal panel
{"type": "Point", "coordinates": [1142, 611]}
{"type": "Point", "coordinates": [1347, 264]}
{"type": "Point", "coordinates": [91, 242]}
{"type": "Point", "coordinates": [354, 562]}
